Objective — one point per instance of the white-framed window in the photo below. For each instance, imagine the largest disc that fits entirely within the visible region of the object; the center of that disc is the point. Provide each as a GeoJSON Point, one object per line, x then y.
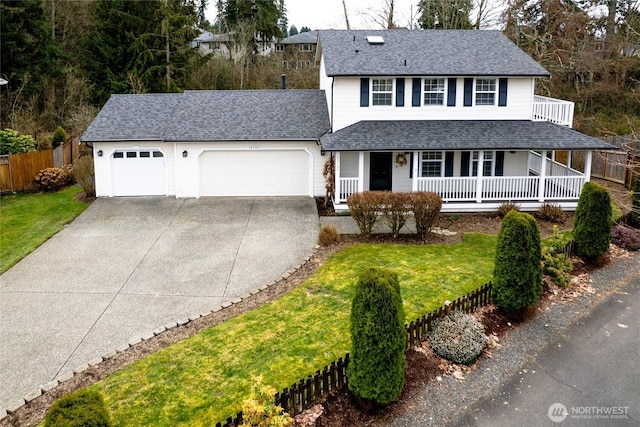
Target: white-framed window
{"type": "Point", "coordinates": [279, 47]}
{"type": "Point", "coordinates": [486, 91]}
{"type": "Point", "coordinates": [434, 91]}
{"type": "Point", "coordinates": [431, 164]}
{"type": "Point", "coordinates": [305, 47]}
{"type": "Point", "coordinates": [285, 64]}
{"type": "Point", "coordinates": [303, 63]}
{"type": "Point", "coordinates": [381, 91]}
{"type": "Point", "coordinates": [488, 163]}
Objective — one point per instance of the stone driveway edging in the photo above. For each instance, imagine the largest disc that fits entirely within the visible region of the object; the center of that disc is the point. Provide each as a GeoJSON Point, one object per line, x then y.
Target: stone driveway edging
{"type": "Point", "coordinates": [64, 377]}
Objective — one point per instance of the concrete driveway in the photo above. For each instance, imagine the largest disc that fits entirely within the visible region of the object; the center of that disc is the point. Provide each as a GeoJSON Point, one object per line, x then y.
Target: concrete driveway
{"type": "Point", "coordinates": [127, 266]}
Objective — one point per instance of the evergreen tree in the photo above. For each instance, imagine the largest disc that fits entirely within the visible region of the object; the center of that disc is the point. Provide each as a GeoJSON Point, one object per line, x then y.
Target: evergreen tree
{"type": "Point", "coordinates": [284, 21]}
{"type": "Point", "coordinates": [593, 222]}
{"type": "Point", "coordinates": [517, 276]}
{"type": "Point", "coordinates": [293, 30]}
{"type": "Point", "coordinates": [376, 368]}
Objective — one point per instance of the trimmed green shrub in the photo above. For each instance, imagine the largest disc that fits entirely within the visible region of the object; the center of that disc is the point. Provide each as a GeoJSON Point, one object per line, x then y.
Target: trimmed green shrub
{"type": "Point", "coordinates": [53, 179]}
{"type": "Point", "coordinates": [425, 207]}
{"type": "Point", "coordinates": [378, 336]}
{"type": "Point", "coordinates": [84, 174]}
{"type": "Point", "coordinates": [554, 262]}
{"type": "Point", "coordinates": [593, 222]}
{"type": "Point", "coordinates": [507, 207]}
{"type": "Point", "coordinates": [328, 234]}
{"type": "Point", "coordinates": [13, 143]}
{"type": "Point", "coordinates": [635, 204]}
{"type": "Point", "coordinates": [551, 212]}
{"type": "Point", "coordinates": [396, 211]}
{"type": "Point", "coordinates": [84, 408]}
{"type": "Point", "coordinates": [458, 337]}
{"type": "Point", "coordinates": [59, 137]}
{"type": "Point", "coordinates": [365, 209]}
{"type": "Point", "coordinates": [517, 277]}
{"type": "Point", "coordinates": [260, 410]}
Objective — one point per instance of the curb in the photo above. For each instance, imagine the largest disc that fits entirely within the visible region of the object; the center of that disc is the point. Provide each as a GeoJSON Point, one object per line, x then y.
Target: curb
{"type": "Point", "coordinates": [67, 375]}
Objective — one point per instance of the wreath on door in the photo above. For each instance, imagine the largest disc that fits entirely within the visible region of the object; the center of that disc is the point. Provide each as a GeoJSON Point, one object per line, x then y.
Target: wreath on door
{"type": "Point", "coordinates": [401, 159]}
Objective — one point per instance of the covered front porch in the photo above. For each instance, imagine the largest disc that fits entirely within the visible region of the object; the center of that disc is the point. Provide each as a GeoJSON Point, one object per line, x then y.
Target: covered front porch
{"type": "Point", "coordinates": [524, 177]}
{"type": "Point", "coordinates": [475, 166]}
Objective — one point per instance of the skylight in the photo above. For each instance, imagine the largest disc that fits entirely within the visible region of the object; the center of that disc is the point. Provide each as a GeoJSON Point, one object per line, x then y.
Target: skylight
{"type": "Point", "coordinates": [375, 39]}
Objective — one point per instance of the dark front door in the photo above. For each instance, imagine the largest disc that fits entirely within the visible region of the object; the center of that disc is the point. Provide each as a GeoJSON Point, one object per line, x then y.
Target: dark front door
{"type": "Point", "coordinates": [380, 167]}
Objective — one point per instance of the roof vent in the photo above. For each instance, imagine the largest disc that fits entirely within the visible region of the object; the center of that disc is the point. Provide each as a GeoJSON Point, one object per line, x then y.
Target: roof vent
{"type": "Point", "coordinates": [375, 39]}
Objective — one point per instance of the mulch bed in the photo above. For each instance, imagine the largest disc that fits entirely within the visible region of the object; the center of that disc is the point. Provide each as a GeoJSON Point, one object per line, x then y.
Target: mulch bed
{"type": "Point", "coordinates": [338, 409]}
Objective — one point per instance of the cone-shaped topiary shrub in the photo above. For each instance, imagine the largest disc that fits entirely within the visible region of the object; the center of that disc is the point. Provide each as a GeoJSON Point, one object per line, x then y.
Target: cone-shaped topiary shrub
{"type": "Point", "coordinates": [517, 277]}
{"type": "Point", "coordinates": [593, 222]}
{"type": "Point", "coordinates": [376, 369]}
{"type": "Point", "coordinates": [458, 337]}
{"type": "Point", "coordinates": [84, 408]}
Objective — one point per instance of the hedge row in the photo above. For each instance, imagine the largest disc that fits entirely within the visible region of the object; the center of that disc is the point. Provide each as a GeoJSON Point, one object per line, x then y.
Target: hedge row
{"type": "Point", "coordinates": [394, 209]}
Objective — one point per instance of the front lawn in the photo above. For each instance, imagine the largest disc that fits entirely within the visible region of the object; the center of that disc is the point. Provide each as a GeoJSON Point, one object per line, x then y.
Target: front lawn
{"type": "Point", "coordinates": [28, 220]}
{"type": "Point", "coordinates": [203, 379]}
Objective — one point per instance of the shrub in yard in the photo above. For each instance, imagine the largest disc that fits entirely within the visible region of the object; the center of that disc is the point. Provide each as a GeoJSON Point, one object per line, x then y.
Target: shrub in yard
{"type": "Point", "coordinates": [593, 222]}
{"type": "Point", "coordinates": [551, 212]}
{"type": "Point", "coordinates": [13, 143]}
{"type": "Point", "coordinates": [84, 408]}
{"type": "Point", "coordinates": [84, 174]}
{"type": "Point", "coordinates": [376, 369]}
{"type": "Point", "coordinates": [328, 234]}
{"type": "Point", "coordinates": [396, 211]}
{"type": "Point", "coordinates": [425, 207]}
{"type": "Point", "coordinates": [59, 137]}
{"type": "Point", "coordinates": [458, 337]}
{"type": "Point", "coordinates": [507, 207]}
{"type": "Point", "coordinates": [517, 276]}
{"type": "Point", "coordinates": [365, 209]}
{"type": "Point", "coordinates": [554, 263]}
{"type": "Point", "coordinates": [635, 203]}
{"type": "Point", "coordinates": [53, 179]}
{"type": "Point", "coordinates": [625, 237]}
{"type": "Point", "coordinates": [260, 408]}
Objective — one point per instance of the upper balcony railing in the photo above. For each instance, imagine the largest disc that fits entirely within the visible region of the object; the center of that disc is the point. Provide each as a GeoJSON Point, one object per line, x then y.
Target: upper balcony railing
{"type": "Point", "coordinates": [552, 110]}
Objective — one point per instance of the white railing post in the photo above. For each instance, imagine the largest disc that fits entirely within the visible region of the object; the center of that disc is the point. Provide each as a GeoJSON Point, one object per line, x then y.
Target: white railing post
{"type": "Point", "coordinates": [360, 171]}
{"type": "Point", "coordinates": [479, 179]}
{"type": "Point", "coordinates": [587, 166]}
{"type": "Point", "coordinates": [543, 173]}
{"type": "Point", "coordinates": [338, 188]}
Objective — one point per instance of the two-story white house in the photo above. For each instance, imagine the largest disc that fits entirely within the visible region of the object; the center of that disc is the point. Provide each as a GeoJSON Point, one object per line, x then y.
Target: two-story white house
{"type": "Point", "coordinates": [453, 112]}
{"type": "Point", "coordinates": [448, 111]}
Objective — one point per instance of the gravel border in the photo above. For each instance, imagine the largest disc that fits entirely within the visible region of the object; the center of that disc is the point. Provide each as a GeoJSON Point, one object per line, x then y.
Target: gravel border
{"type": "Point", "coordinates": [441, 403]}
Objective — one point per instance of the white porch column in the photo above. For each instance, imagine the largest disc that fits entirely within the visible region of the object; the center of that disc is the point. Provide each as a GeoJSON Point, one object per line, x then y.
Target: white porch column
{"type": "Point", "coordinates": [543, 176]}
{"type": "Point", "coordinates": [415, 170]}
{"type": "Point", "coordinates": [360, 171]}
{"type": "Point", "coordinates": [480, 174]}
{"type": "Point", "coordinates": [569, 153]}
{"type": "Point", "coordinates": [337, 194]}
{"type": "Point", "coordinates": [587, 166]}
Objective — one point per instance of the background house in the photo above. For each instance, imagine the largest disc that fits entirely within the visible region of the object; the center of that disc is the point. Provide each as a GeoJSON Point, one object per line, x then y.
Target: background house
{"type": "Point", "coordinates": [299, 50]}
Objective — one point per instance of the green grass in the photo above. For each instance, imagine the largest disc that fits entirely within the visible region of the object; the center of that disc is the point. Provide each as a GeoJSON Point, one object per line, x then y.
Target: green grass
{"type": "Point", "coordinates": [204, 379]}
{"type": "Point", "coordinates": [28, 220]}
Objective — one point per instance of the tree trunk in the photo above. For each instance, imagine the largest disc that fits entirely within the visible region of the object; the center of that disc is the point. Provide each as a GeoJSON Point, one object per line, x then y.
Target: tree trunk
{"type": "Point", "coordinates": [611, 27]}
{"type": "Point", "coordinates": [346, 17]}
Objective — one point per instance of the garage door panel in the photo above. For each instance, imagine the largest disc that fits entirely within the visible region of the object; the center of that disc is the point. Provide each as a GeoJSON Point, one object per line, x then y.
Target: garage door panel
{"type": "Point", "coordinates": [138, 173]}
{"type": "Point", "coordinates": [255, 173]}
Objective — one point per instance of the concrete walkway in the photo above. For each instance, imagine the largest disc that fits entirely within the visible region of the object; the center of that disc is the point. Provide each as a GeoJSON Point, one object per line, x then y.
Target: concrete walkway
{"type": "Point", "coordinates": [127, 266]}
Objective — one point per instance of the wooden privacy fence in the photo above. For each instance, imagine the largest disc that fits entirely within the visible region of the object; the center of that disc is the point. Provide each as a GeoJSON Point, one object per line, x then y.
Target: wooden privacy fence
{"type": "Point", "coordinates": [618, 166]}
{"type": "Point", "coordinates": [306, 392]}
{"type": "Point", "coordinates": [18, 170]}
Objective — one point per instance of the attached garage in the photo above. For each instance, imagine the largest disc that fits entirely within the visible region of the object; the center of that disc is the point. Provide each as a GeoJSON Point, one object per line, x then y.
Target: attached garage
{"type": "Point", "coordinates": [271, 172]}
{"type": "Point", "coordinates": [138, 172]}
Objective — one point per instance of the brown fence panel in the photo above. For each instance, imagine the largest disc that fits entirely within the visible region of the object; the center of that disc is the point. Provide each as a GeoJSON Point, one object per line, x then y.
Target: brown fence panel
{"type": "Point", "coordinates": [25, 167]}
{"type": "Point", "coordinates": [5, 174]}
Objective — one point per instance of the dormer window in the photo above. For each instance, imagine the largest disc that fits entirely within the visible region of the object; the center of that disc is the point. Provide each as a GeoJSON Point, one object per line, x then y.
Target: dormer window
{"type": "Point", "coordinates": [486, 91]}
{"type": "Point", "coordinates": [434, 90]}
{"type": "Point", "coordinates": [381, 92]}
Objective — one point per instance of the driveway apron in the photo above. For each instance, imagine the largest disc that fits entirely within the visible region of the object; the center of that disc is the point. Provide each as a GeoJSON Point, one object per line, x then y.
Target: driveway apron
{"type": "Point", "coordinates": [127, 266]}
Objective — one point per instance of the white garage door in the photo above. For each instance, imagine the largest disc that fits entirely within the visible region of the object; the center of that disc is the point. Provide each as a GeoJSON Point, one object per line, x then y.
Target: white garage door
{"type": "Point", "coordinates": [255, 173]}
{"type": "Point", "coordinates": [138, 172]}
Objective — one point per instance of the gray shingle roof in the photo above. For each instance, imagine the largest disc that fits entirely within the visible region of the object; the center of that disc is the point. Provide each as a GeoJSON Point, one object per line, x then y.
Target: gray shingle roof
{"type": "Point", "coordinates": [259, 115]}
{"type": "Point", "coordinates": [306, 37]}
{"type": "Point", "coordinates": [458, 135]}
{"type": "Point", "coordinates": [133, 117]}
{"type": "Point", "coordinates": [427, 52]}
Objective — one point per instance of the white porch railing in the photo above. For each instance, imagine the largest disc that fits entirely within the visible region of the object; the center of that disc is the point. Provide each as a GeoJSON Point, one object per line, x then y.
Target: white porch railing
{"type": "Point", "coordinates": [552, 168]}
{"type": "Point", "coordinates": [450, 189]}
{"type": "Point", "coordinates": [346, 187]}
{"type": "Point", "coordinates": [552, 110]}
{"type": "Point", "coordinates": [563, 187]}
{"type": "Point", "coordinates": [510, 188]}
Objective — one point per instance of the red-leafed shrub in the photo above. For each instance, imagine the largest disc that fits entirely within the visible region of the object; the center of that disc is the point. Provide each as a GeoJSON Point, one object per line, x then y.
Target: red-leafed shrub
{"type": "Point", "coordinates": [425, 207]}
{"type": "Point", "coordinates": [53, 179]}
{"type": "Point", "coordinates": [625, 237]}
